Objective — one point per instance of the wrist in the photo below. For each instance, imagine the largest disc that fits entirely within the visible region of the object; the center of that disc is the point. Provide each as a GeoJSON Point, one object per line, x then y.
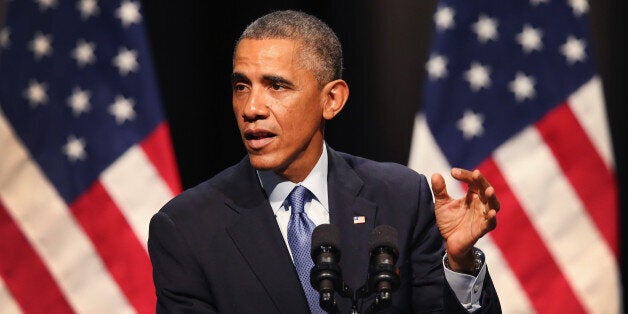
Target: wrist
{"type": "Point", "coordinates": [470, 265]}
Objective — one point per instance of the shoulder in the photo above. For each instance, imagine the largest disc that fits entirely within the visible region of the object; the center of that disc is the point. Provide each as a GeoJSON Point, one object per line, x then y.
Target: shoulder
{"type": "Point", "coordinates": [392, 172]}
{"type": "Point", "coordinates": [379, 181]}
{"type": "Point", "coordinates": [211, 193]}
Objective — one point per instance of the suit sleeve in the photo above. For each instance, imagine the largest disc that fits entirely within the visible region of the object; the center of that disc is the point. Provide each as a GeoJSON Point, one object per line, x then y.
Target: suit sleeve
{"type": "Point", "coordinates": [426, 252]}
{"type": "Point", "coordinates": [179, 282]}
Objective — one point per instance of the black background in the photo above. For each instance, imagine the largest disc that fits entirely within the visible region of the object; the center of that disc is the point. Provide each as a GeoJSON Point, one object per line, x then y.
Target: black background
{"type": "Point", "coordinates": [385, 45]}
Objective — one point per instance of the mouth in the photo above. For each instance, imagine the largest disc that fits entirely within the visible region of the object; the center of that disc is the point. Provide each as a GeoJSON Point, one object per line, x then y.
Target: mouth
{"type": "Point", "coordinates": [258, 139]}
{"type": "Point", "coordinates": [257, 135]}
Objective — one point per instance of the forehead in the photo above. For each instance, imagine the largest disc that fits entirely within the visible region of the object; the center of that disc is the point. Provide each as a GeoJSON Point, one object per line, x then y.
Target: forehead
{"type": "Point", "coordinates": [268, 53]}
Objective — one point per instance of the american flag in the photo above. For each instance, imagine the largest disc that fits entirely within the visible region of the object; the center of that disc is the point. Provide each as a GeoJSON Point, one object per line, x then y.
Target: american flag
{"type": "Point", "coordinates": [512, 90]}
{"type": "Point", "coordinates": [85, 158]}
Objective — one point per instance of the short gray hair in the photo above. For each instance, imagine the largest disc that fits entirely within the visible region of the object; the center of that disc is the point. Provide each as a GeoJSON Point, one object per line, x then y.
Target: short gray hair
{"type": "Point", "coordinates": [320, 46]}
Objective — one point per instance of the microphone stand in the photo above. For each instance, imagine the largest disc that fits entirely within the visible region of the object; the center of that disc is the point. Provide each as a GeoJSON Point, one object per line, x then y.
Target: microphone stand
{"type": "Point", "coordinates": [383, 284]}
{"type": "Point", "coordinates": [348, 293]}
{"type": "Point", "coordinates": [383, 299]}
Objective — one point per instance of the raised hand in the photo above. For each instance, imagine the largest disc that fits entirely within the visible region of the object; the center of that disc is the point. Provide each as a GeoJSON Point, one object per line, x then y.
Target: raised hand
{"type": "Point", "coordinates": [462, 222]}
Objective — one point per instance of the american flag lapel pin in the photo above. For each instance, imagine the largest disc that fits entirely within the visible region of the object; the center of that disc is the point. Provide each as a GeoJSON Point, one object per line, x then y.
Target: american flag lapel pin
{"type": "Point", "coordinates": [359, 220]}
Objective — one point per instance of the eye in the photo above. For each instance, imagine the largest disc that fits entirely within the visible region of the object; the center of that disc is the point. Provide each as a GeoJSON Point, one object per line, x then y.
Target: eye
{"type": "Point", "coordinates": [239, 87]}
{"type": "Point", "coordinates": [276, 86]}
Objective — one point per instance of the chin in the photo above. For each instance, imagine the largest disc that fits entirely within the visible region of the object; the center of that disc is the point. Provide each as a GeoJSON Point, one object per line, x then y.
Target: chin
{"type": "Point", "coordinates": [262, 162]}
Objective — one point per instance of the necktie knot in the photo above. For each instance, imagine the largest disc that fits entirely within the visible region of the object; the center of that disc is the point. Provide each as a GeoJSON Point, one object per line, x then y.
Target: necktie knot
{"type": "Point", "coordinates": [297, 198]}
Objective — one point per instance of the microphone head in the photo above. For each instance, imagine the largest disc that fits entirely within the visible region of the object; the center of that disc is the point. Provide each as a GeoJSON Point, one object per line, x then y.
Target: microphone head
{"type": "Point", "coordinates": [325, 235]}
{"type": "Point", "coordinates": [383, 235]}
{"type": "Point", "coordinates": [383, 275]}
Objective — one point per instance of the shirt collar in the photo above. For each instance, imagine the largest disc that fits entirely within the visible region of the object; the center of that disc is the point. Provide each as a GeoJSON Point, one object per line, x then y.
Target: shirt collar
{"type": "Point", "coordinates": [278, 188]}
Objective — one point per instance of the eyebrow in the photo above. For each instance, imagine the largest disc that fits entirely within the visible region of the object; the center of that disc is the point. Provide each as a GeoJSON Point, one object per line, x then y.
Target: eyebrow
{"type": "Point", "coordinates": [238, 77]}
{"type": "Point", "coordinates": [272, 79]}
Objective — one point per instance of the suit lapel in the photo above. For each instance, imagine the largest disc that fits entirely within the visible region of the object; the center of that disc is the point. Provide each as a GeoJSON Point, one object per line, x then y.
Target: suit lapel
{"type": "Point", "coordinates": [346, 203]}
{"type": "Point", "coordinates": [257, 236]}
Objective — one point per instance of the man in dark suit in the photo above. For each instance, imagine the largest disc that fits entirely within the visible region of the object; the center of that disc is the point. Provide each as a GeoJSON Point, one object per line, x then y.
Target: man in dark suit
{"type": "Point", "coordinates": [226, 245]}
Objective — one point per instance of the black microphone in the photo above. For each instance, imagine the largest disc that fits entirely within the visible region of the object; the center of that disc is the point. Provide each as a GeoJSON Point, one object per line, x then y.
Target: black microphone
{"type": "Point", "coordinates": [383, 275]}
{"type": "Point", "coordinates": [326, 275]}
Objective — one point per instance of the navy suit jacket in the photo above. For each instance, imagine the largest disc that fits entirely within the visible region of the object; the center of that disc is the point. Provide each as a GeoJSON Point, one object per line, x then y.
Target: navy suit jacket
{"type": "Point", "coordinates": [217, 247]}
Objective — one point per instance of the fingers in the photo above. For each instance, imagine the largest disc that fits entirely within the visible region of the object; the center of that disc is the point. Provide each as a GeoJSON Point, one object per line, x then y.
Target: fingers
{"type": "Point", "coordinates": [477, 183]}
{"type": "Point", "coordinates": [438, 187]}
{"type": "Point", "coordinates": [491, 197]}
{"type": "Point", "coordinates": [473, 178]}
{"type": "Point", "coordinates": [491, 220]}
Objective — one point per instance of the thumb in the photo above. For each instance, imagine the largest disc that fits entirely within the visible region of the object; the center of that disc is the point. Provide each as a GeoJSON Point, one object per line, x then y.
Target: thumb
{"type": "Point", "coordinates": [439, 188]}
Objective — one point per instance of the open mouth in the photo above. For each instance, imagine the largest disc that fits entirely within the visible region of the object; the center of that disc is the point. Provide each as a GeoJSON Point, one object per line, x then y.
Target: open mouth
{"type": "Point", "coordinates": [256, 140]}
{"type": "Point", "coordinates": [257, 135]}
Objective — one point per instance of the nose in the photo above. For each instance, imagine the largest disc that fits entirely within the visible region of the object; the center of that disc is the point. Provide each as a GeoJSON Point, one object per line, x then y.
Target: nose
{"type": "Point", "coordinates": [255, 107]}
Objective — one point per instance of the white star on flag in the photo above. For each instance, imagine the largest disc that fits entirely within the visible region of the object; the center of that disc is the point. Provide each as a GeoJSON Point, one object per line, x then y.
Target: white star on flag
{"type": "Point", "coordinates": [523, 87]}
{"type": "Point", "coordinates": [573, 50]}
{"type": "Point", "coordinates": [88, 8]}
{"type": "Point", "coordinates": [129, 13]}
{"type": "Point", "coordinates": [579, 6]}
{"type": "Point", "coordinates": [485, 28]}
{"type": "Point", "coordinates": [444, 18]}
{"type": "Point", "coordinates": [36, 93]}
{"type": "Point", "coordinates": [126, 61]}
{"type": "Point", "coordinates": [471, 124]}
{"type": "Point", "coordinates": [83, 53]}
{"type": "Point", "coordinates": [122, 109]}
{"type": "Point", "coordinates": [478, 76]}
{"type": "Point", "coordinates": [530, 39]}
{"type": "Point", "coordinates": [74, 149]}
{"type": "Point", "coordinates": [436, 67]}
{"type": "Point", "coordinates": [41, 45]}
{"type": "Point", "coordinates": [79, 101]}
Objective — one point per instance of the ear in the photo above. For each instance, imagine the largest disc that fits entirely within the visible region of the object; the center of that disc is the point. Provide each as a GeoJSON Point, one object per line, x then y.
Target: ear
{"type": "Point", "coordinates": [336, 94]}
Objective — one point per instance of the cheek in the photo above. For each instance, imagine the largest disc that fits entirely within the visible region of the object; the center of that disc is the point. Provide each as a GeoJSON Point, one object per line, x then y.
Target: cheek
{"type": "Point", "coordinates": [301, 123]}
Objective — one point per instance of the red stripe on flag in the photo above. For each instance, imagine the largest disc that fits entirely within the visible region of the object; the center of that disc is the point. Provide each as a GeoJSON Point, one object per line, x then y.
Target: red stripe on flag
{"type": "Point", "coordinates": [119, 248]}
{"type": "Point", "coordinates": [31, 285]}
{"type": "Point", "coordinates": [158, 148]}
{"type": "Point", "coordinates": [526, 253]}
{"type": "Point", "coordinates": [592, 180]}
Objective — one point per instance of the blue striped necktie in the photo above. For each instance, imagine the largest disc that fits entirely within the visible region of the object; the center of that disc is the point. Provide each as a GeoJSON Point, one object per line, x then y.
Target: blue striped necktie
{"type": "Point", "coordinates": [300, 230]}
